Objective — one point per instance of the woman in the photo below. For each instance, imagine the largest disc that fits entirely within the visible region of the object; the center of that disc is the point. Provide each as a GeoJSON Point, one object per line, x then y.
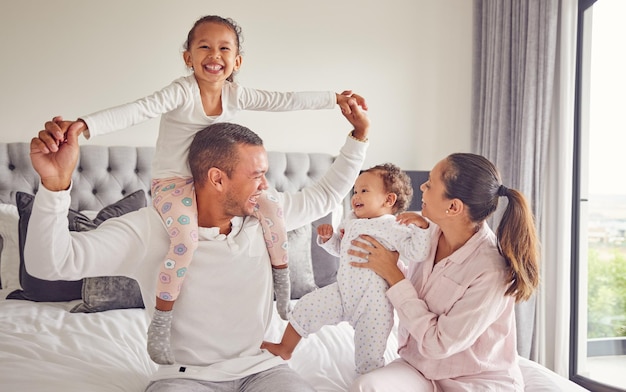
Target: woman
{"type": "Point", "coordinates": [456, 309]}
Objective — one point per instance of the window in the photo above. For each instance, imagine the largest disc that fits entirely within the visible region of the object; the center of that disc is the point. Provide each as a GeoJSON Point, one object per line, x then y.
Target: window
{"type": "Point", "coordinates": [598, 354]}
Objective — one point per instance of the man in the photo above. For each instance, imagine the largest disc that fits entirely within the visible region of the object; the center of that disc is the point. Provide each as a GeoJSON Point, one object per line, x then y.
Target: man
{"type": "Point", "coordinates": [225, 304]}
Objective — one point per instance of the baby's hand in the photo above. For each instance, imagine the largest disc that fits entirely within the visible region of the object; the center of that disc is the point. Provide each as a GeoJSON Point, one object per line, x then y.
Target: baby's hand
{"type": "Point", "coordinates": [325, 231]}
{"type": "Point", "coordinates": [345, 96]}
{"type": "Point", "coordinates": [407, 218]}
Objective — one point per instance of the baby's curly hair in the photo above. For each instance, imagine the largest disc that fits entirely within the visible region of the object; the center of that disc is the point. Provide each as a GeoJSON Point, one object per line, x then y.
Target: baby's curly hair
{"type": "Point", "coordinates": [395, 181]}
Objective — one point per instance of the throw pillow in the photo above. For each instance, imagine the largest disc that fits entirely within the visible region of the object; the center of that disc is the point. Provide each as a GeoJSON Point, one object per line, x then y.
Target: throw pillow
{"type": "Point", "coordinates": [9, 248]}
{"type": "Point", "coordinates": [325, 265]}
{"type": "Point", "coordinates": [35, 289]}
{"type": "Point", "coordinates": [300, 265]}
{"type": "Point", "coordinates": [107, 293]}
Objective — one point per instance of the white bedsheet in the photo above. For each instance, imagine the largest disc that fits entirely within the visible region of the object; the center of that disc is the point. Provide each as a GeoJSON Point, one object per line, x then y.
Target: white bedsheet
{"type": "Point", "coordinates": [43, 347]}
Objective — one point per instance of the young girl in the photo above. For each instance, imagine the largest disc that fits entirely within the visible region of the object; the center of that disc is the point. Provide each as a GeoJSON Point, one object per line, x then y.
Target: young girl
{"type": "Point", "coordinates": [187, 105]}
{"type": "Point", "coordinates": [358, 296]}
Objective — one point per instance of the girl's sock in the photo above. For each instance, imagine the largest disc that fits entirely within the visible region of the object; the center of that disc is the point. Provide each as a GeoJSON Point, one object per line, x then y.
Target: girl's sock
{"type": "Point", "coordinates": [282, 291]}
{"type": "Point", "coordinates": [159, 338]}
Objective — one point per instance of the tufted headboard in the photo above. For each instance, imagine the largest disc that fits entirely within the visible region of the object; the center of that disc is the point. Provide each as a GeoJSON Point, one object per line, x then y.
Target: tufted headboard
{"type": "Point", "coordinates": [104, 175]}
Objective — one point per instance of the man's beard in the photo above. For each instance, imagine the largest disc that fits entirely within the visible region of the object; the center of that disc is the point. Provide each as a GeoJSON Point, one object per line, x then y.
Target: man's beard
{"type": "Point", "coordinates": [233, 208]}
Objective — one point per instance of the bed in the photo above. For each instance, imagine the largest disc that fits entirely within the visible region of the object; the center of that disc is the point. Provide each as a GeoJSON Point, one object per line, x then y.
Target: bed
{"type": "Point", "coordinates": [85, 341]}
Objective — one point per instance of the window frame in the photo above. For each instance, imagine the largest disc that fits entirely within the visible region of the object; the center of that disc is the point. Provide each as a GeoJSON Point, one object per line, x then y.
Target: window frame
{"type": "Point", "coordinates": [594, 385]}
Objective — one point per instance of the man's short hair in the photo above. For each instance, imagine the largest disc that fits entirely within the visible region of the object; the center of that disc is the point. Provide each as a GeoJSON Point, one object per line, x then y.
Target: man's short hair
{"type": "Point", "coordinates": [215, 146]}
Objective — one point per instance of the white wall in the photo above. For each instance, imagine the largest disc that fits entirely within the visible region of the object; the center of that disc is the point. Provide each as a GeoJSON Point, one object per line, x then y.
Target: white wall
{"type": "Point", "coordinates": [411, 59]}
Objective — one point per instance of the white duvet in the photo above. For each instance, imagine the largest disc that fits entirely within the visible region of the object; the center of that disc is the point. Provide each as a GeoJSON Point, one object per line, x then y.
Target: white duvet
{"type": "Point", "coordinates": [43, 347]}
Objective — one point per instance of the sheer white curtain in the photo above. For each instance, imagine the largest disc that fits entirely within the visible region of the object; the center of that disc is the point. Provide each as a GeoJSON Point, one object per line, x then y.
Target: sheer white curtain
{"type": "Point", "coordinates": [553, 316]}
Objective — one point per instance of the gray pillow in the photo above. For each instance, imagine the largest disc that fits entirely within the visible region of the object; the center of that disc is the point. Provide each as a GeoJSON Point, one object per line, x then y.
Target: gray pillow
{"type": "Point", "coordinates": [98, 294]}
{"type": "Point", "coordinates": [111, 292]}
{"type": "Point", "coordinates": [32, 288]}
{"type": "Point", "coordinates": [107, 293]}
{"type": "Point", "coordinates": [300, 266]}
{"type": "Point", "coordinates": [1, 247]}
{"type": "Point", "coordinates": [325, 265]}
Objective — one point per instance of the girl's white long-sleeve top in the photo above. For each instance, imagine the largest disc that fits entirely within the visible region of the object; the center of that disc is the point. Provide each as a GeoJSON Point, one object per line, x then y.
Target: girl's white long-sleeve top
{"type": "Point", "coordinates": [182, 115]}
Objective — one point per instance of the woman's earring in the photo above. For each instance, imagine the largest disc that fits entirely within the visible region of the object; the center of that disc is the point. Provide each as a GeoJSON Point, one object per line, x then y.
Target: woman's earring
{"type": "Point", "coordinates": [447, 211]}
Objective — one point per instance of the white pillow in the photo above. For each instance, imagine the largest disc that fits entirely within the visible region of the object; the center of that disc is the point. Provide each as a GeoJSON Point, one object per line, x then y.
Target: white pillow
{"type": "Point", "coordinates": [10, 255]}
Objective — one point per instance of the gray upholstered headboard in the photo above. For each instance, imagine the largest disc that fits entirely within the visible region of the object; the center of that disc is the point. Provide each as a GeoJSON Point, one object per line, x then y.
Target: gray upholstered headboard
{"type": "Point", "coordinates": [104, 175]}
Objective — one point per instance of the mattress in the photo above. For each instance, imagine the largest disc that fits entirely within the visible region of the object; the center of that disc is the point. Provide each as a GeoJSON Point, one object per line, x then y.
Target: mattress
{"type": "Point", "coordinates": [44, 347]}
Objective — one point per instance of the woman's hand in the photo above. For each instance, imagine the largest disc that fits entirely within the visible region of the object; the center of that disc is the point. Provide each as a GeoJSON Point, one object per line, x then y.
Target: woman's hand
{"type": "Point", "coordinates": [377, 258]}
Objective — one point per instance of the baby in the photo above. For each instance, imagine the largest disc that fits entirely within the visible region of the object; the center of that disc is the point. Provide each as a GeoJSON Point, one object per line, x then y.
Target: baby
{"type": "Point", "coordinates": [358, 296]}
